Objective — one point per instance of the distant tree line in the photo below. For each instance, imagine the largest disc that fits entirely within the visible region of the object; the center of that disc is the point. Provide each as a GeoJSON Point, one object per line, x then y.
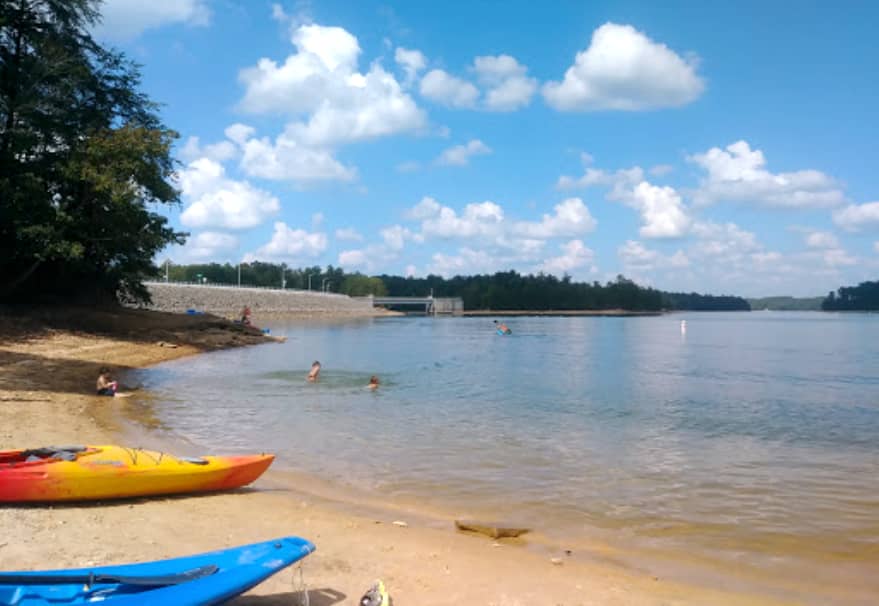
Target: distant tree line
{"type": "Point", "coordinates": [787, 303]}
{"type": "Point", "coordinates": [502, 291]}
{"type": "Point", "coordinates": [863, 297]}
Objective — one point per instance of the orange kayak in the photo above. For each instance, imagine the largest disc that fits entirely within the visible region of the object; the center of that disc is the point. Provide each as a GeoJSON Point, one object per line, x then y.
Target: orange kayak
{"type": "Point", "coordinates": [84, 473]}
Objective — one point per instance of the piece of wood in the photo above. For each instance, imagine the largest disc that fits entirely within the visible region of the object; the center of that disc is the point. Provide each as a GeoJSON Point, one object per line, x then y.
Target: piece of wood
{"type": "Point", "coordinates": [490, 529]}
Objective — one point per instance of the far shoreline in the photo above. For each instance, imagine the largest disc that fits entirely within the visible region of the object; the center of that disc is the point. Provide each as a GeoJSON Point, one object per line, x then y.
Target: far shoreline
{"type": "Point", "coordinates": [563, 312]}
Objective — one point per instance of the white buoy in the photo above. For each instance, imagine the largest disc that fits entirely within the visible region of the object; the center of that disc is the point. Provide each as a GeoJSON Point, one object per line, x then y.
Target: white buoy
{"type": "Point", "coordinates": [683, 327]}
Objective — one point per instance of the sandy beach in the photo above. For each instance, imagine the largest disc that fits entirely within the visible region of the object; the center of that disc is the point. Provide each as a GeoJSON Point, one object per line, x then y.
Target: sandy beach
{"type": "Point", "coordinates": [48, 363]}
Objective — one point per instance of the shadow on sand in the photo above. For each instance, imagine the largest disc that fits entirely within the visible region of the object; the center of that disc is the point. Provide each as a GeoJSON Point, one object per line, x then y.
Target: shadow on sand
{"type": "Point", "coordinates": [316, 597]}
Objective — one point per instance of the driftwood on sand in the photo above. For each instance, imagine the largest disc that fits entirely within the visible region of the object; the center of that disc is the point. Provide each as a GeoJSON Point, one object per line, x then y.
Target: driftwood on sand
{"type": "Point", "coordinates": [490, 529]}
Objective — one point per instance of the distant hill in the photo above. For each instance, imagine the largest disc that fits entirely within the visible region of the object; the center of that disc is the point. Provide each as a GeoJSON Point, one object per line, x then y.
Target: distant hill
{"type": "Point", "coordinates": [786, 303]}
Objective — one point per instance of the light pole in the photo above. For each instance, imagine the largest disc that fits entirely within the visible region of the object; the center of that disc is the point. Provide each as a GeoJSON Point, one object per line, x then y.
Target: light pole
{"type": "Point", "coordinates": [239, 274]}
{"type": "Point", "coordinates": [327, 287]}
{"type": "Point", "coordinates": [167, 265]}
{"type": "Point", "coordinates": [309, 281]}
{"type": "Point", "coordinates": [283, 276]}
{"type": "Point", "coordinates": [323, 284]}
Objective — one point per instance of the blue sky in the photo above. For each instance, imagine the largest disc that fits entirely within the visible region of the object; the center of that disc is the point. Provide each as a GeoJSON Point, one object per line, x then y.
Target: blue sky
{"type": "Point", "coordinates": [717, 147]}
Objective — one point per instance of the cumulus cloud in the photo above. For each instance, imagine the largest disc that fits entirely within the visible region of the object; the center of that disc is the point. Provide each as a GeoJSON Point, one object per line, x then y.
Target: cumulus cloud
{"type": "Point", "coordinates": [411, 61]}
{"type": "Point", "coordinates": [821, 240]}
{"type": "Point", "coordinates": [288, 159]}
{"type": "Point", "coordinates": [571, 218]}
{"type": "Point", "coordinates": [467, 261]}
{"type": "Point", "coordinates": [348, 234]}
{"type": "Point", "coordinates": [575, 255]}
{"type": "Point", "coordinates": [219, 152]}
{"type": "Point", "coordinates": [478, 219]}
{"type": "Point", "coordinates": [443, 88]}
{"type": "Point", "coordinates": [508, 87]}
{"type": "Point", "coordinates": [636, 258]}
{"type": "Point", "coordinates": [291, 245]}
{"type": "Point", "coordinates": [621, 179]}
{"type": "Point", "coordinates": [662, 211]}
{"type": "Point", "coordinates": [623, 69]}
{"type": "Point", "coordinates": [857, 217]}
{"type": "Point", "coordinates": [661, 170]}
{"type": "Point", "coordinates": [738, 174]}
{"type": "Point", "coordinates": [215, 200]}
{"type": "Point", "coordinates": [208, 245]}
{"type": "Point", "coordinates": [126, 19]}
{"type": "Point", "coordinates": [460, 155]}
{"type": "Point", "coordinates": [332, 103]}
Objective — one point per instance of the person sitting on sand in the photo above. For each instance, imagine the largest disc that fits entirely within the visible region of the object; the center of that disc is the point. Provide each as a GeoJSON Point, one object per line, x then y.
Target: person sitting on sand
{"type": "Point", "coordinates": [314, 372]}
{"type": "Point", "coordinates": [373, 382]}
{"type": "Point", "coordinates": [106, 386]}
{"type": "Point", "coordinates": [245, 315]}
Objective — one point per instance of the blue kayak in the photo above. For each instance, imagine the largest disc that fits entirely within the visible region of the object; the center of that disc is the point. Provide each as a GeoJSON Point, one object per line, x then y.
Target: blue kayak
{"type": "Point", "coordinates": [208, 578]}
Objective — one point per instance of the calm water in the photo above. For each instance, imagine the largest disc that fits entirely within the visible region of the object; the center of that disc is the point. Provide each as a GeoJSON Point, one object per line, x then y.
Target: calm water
{"type": "Point", "coordinates": [752, 439]}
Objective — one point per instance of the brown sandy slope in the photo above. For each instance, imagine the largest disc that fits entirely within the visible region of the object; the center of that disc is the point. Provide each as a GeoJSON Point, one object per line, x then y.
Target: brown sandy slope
{"type": "Point", "coordinates": [48, 363]}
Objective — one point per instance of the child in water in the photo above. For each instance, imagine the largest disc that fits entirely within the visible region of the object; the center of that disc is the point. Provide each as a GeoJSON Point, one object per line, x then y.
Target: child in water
{"type": "Point", "coordinates": [314, 372]}
{"type": "Point", "coordinates": [373, 382]}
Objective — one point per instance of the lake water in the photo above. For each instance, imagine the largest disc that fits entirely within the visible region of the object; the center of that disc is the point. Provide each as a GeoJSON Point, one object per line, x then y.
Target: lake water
{"type": "Point", "coordinates": [749, 444]}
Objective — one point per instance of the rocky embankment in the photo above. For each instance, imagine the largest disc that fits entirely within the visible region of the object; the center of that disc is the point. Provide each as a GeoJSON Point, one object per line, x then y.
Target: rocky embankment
{"type": "Point", "coordinates": [228, 301]}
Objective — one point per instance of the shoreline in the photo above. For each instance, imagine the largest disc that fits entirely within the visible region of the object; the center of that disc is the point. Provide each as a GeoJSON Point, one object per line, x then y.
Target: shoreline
{"type": "Point", "coordinates": [423, 563]}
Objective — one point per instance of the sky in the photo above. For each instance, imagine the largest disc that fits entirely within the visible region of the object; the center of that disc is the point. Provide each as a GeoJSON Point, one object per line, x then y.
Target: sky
{"type": "Point", "coordinates": [719, 147]}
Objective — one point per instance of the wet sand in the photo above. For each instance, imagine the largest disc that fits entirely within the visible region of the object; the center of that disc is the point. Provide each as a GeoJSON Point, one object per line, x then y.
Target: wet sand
{"type": "Point", "coordinates": [48, 363]}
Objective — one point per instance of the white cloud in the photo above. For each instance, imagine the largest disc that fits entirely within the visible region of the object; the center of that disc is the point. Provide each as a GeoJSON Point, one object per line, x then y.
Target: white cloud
{"type": "Point", "coordinates": [662, 211]}
{"type": "Point", "coordinates": [410, 166]}
{"type": "Point", "coordinates": [635, 257]}
{"type": "Point", "coordinates": [876, 246]}
{"type": "Point", "coordinates": [571, 218]}
{"type": "Point", "coordinates": [395, 237]}
{"type": "Point", "coordinates": [661, 170]}
{"type": "Point", "coordinates": [623, 69]}
{"type": "Point", "coordinates": [468, 261]}
{"type": "Point", "coordinates": [425, 209]}
{"type": "Point", "coordinates": [724, 240]}
{"type": "Point", "coordinates": [483, 219]}
{"type": "Point", "coordinates": [821, 240]}
{"type": "Point", "coordinates": [574, 255]}
{"type": "Point", "coordinates": [279, 14]}
{"type": "Point", "coordinates": [336, 104]}
{"type": "Point", "coordinates": [353, 259]}
{"type": "Point", "coordinates": [288, 159]}
{"type": "Point", "coordinates": [459, 155]}
{"type": "Point", "coordinates": [317, 219]}
{"type": "Point", "coordinates": [208, 245]}
{"type": "Point", "coordinates": [444, 88]}
{"type": "Point", "coordinates": [289, 244]}
{"type": "Point", "coordinates": [214, 200]}
{"type": "Point", "coordinates": [412, 62]}
{"type": "Point", "coordinates": [508, 86]}
{"type": "Point", "coordinates": [348, 234]}
{"type": "Point", "coordinates": [738, 174]}
{"type": "Point", "coordinates": [837, 257]}
{"type": "Point", "coordinates": [219, 152]}
{"type": "Point", "coordinates": [856, 217]}
{"type": "Point", "coordinates": [620, 179]}
{"type": "Point", "coordinates": [126, 19]}
{"type": "Point", "coordinates": [410, 271]}
{"type": "Point", "coordinates": [239, 133]}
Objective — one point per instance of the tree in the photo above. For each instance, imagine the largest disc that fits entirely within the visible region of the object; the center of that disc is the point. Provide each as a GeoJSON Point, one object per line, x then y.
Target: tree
{"type": "Point", "coordinates": [83, 156]}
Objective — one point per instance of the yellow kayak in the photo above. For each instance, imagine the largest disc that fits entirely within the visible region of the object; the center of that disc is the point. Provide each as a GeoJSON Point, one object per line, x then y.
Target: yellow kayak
{"type": "Point", "coordinates": [82, 473]}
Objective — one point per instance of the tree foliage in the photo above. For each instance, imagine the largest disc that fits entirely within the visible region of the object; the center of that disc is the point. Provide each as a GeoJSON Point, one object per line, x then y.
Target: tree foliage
{"type": "Point", "coordinates": [83, 157]}
{"type": "Point", "coordinates": [863, 297]}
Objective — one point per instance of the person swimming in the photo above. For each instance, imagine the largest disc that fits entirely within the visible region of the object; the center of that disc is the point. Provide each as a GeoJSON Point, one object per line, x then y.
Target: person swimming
{"type": "Point", "coordinates": [314, 372]}
{"type": "Point", "coordinates": [373, 382]}
{"type": "Point", "coordinates": [502, 328]}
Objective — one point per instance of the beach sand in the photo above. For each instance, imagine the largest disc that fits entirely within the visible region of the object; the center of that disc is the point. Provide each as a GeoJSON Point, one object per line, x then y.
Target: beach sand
{"type": "Point", "coordinates": [48, 364]}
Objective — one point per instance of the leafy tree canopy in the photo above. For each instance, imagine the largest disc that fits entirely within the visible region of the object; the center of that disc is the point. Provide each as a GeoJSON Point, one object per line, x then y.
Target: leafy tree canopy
{"type": "Point", "coordinates": [83, 157]}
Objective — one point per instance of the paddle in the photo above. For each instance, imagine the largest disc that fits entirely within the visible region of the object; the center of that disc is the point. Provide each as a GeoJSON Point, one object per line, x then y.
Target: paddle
{"type": "Point", "coordinates": [103, 578]}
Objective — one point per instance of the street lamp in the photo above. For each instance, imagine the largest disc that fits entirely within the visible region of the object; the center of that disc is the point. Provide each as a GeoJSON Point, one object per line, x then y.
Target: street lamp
{"type": "Point", "coordinates": [309, 281]}
{"type": "Point", "coordinates": [283, 276]}
{"type": "Point", "coordinates": [323, 284]}
{"type": "Point", "coordinates": [239, 274]}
